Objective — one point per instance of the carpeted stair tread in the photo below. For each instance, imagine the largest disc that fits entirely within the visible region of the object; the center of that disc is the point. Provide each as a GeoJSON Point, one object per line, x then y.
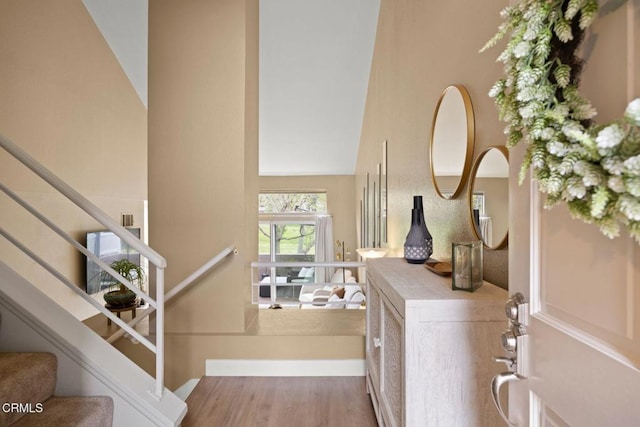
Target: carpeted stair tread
{"type": "Point", "coordinates": [94, 411]}
{"type": "Point", "coordinates": [26, 378]}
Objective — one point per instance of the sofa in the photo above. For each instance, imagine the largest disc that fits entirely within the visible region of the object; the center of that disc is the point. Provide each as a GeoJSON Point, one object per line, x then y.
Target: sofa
{"type": "Point", "coordinates": [305, 275]}
{"type": "Point", "coordinates": [342, 292]}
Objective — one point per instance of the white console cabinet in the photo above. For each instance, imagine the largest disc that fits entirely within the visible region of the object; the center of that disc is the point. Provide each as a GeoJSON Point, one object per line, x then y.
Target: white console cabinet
{"type": "Point", "coordinates": [429, 348]}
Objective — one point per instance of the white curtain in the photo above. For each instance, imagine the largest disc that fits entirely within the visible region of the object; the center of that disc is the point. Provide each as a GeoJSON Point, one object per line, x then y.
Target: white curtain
{"type": "Point", "coordinates": [324, 246]}
{"type": "Point", "coordinates": [486, 230]}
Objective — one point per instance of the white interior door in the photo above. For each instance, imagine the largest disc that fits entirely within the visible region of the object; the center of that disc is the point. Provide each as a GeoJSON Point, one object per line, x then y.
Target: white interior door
{"type": "Point", "coordinates": [583, 333]}
{"type": "Point", "coordinates": [583, 354]}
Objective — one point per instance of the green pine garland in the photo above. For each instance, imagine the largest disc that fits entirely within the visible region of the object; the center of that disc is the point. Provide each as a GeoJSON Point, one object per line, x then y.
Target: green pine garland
{"type": "Point", "coordinates": [595, 169]}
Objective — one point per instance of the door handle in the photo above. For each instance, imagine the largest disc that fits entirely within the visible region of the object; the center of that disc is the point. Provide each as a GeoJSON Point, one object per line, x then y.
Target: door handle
{"type": "Point", "coordinates": [496, 383]}
{"type": "Point", "coordinates": [514, 341]}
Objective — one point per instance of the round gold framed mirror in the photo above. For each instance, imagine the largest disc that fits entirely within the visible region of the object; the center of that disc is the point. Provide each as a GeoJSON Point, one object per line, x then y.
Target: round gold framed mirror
{"type": "Point", "coordinates": [488, 196]}
{"type": "Point", "coordinates": [452, 141]}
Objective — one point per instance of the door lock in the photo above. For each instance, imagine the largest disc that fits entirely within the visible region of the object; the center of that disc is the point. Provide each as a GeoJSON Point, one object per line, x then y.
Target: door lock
{"type": "Point", "coordinates": [517, 309]}
{"type": "Point", "coordinates": [514, 341]}
{"type": "Point", "coordinates": [510, 337]}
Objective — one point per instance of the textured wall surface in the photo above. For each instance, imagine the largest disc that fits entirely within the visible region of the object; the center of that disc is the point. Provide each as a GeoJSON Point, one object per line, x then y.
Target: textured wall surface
{"type": "Point", "coordinates": [68, 104]}
{"type": "Point", "coordinates": [421, 48]}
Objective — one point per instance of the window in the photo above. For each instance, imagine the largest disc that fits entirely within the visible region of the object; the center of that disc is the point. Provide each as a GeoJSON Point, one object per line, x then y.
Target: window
{"type": "Point", "coordinates": [292, 203]}
{"type": "Point", "coordinates": [287, 233]}
{"type": "Point", "coordinates": [477, 202]}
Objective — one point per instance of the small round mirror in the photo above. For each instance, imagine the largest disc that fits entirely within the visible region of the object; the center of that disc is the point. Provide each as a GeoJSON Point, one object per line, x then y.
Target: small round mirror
{"type": "Point", "coordinates": [489, 197]}
{"type": "Point", "coordinates": [452, 140]}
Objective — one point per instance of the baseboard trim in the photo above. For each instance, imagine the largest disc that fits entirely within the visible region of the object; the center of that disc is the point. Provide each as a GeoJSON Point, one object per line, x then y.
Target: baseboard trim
{"type": "Point", "coordinates": [285, 368]}
{"type": "Point", "coordinates": [185, 389]}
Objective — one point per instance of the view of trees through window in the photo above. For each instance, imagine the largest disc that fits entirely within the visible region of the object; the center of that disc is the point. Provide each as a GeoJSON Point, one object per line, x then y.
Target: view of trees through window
{"type": "Point", "coordinates": [290, 235]}
{"type": "Point", "coordinates": [289, 239]}
{"type": "Point", "coordinates": [287, 229]}
{"type": "Point", "coordinates": [292, 202]}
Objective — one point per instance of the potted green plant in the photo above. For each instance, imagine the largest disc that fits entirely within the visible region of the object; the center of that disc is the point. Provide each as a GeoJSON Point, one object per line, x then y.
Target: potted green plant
{"type": "Point", "coordinates": [123, 296]}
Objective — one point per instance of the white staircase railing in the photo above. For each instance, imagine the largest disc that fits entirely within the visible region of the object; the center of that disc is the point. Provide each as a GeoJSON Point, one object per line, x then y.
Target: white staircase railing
{"type": "Point", "coordinates": [154, 258]}
{"type": "Point", "coordinates": [272, 281]}
{"type": "Point", "coordinates": [190, 280]}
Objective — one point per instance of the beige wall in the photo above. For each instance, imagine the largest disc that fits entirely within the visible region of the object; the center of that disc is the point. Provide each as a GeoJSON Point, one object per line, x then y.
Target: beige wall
{"type": "Point", "coordinates": [421, 48]}
{"type": "Point", "coordinates": [203, 191]}
{"type": "Point", "coordinates": [203, 161]}
{"type": "Point", "coordinates": [67, 102]}
{"type": "Point", "coordinates": [203, 154]}
{"type": "Point", "coordinates": [340, 197]}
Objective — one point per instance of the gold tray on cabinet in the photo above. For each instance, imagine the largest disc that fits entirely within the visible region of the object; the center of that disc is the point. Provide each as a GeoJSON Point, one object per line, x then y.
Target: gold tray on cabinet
{"type": "Point", "coordinates": [439, 267]}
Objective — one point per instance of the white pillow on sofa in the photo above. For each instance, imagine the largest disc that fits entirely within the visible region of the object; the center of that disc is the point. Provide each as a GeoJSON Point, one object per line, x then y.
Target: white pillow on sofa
{"type": "Point", "coordinates": [334, 299]}
{"type": "Point", "coordinates": [350, 291]}
{"type": "Point", "coordinates": [356, 300]}
{"type": "Point", "coordinates": [310, 272]}
{"type": "Point", "coordinates": [338, 277]}
{"type": "Point", "coordinates": [305, 272]}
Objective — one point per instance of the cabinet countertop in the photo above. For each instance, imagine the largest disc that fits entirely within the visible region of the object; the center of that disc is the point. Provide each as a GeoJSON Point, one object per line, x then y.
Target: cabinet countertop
{"type": "Point", "coordinates": [412, 286]}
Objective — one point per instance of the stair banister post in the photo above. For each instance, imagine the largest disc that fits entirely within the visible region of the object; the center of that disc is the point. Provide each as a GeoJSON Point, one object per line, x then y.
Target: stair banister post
{"type": "Point", "coordinates": [159, 332]}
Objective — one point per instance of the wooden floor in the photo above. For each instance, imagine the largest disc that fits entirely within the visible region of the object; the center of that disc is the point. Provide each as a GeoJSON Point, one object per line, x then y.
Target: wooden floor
{"type": "Point", "coordinates": [280, 401]}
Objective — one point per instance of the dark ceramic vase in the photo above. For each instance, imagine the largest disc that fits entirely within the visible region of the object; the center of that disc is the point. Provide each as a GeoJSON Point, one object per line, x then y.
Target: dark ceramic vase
{"type": "Point", "coordinates": [418, 245]}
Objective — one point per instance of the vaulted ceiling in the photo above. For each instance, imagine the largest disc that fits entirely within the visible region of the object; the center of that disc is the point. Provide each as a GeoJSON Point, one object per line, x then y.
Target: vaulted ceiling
{"type": "Point", "coordinates": [315, 58]}
{"type": "Point", "coordinates": [124, 25]}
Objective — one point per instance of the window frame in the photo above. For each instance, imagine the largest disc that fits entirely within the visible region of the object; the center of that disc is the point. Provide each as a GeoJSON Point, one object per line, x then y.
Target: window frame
{"type": "Point", "coordinates": [275, 219]}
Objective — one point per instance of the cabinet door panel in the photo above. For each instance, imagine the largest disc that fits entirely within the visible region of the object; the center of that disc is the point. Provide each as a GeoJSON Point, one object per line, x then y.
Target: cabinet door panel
{"type": "Point", "coordinates": [373, 334]}
{"type": "Point", "coordinates": [450, 379]}
{"type": "Point", "coordinates": [392, 364]}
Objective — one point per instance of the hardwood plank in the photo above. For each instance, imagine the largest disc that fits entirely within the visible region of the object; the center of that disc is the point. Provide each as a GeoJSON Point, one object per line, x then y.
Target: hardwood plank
{"type": "Point", "coordinates": [280, 402]}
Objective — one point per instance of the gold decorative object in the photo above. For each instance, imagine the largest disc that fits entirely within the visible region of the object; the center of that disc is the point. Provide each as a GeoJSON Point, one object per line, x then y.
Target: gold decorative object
{"type": "Point", "coordinates": [452, 140]}
{"type": "Point", "coordinates": [491, 165]}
